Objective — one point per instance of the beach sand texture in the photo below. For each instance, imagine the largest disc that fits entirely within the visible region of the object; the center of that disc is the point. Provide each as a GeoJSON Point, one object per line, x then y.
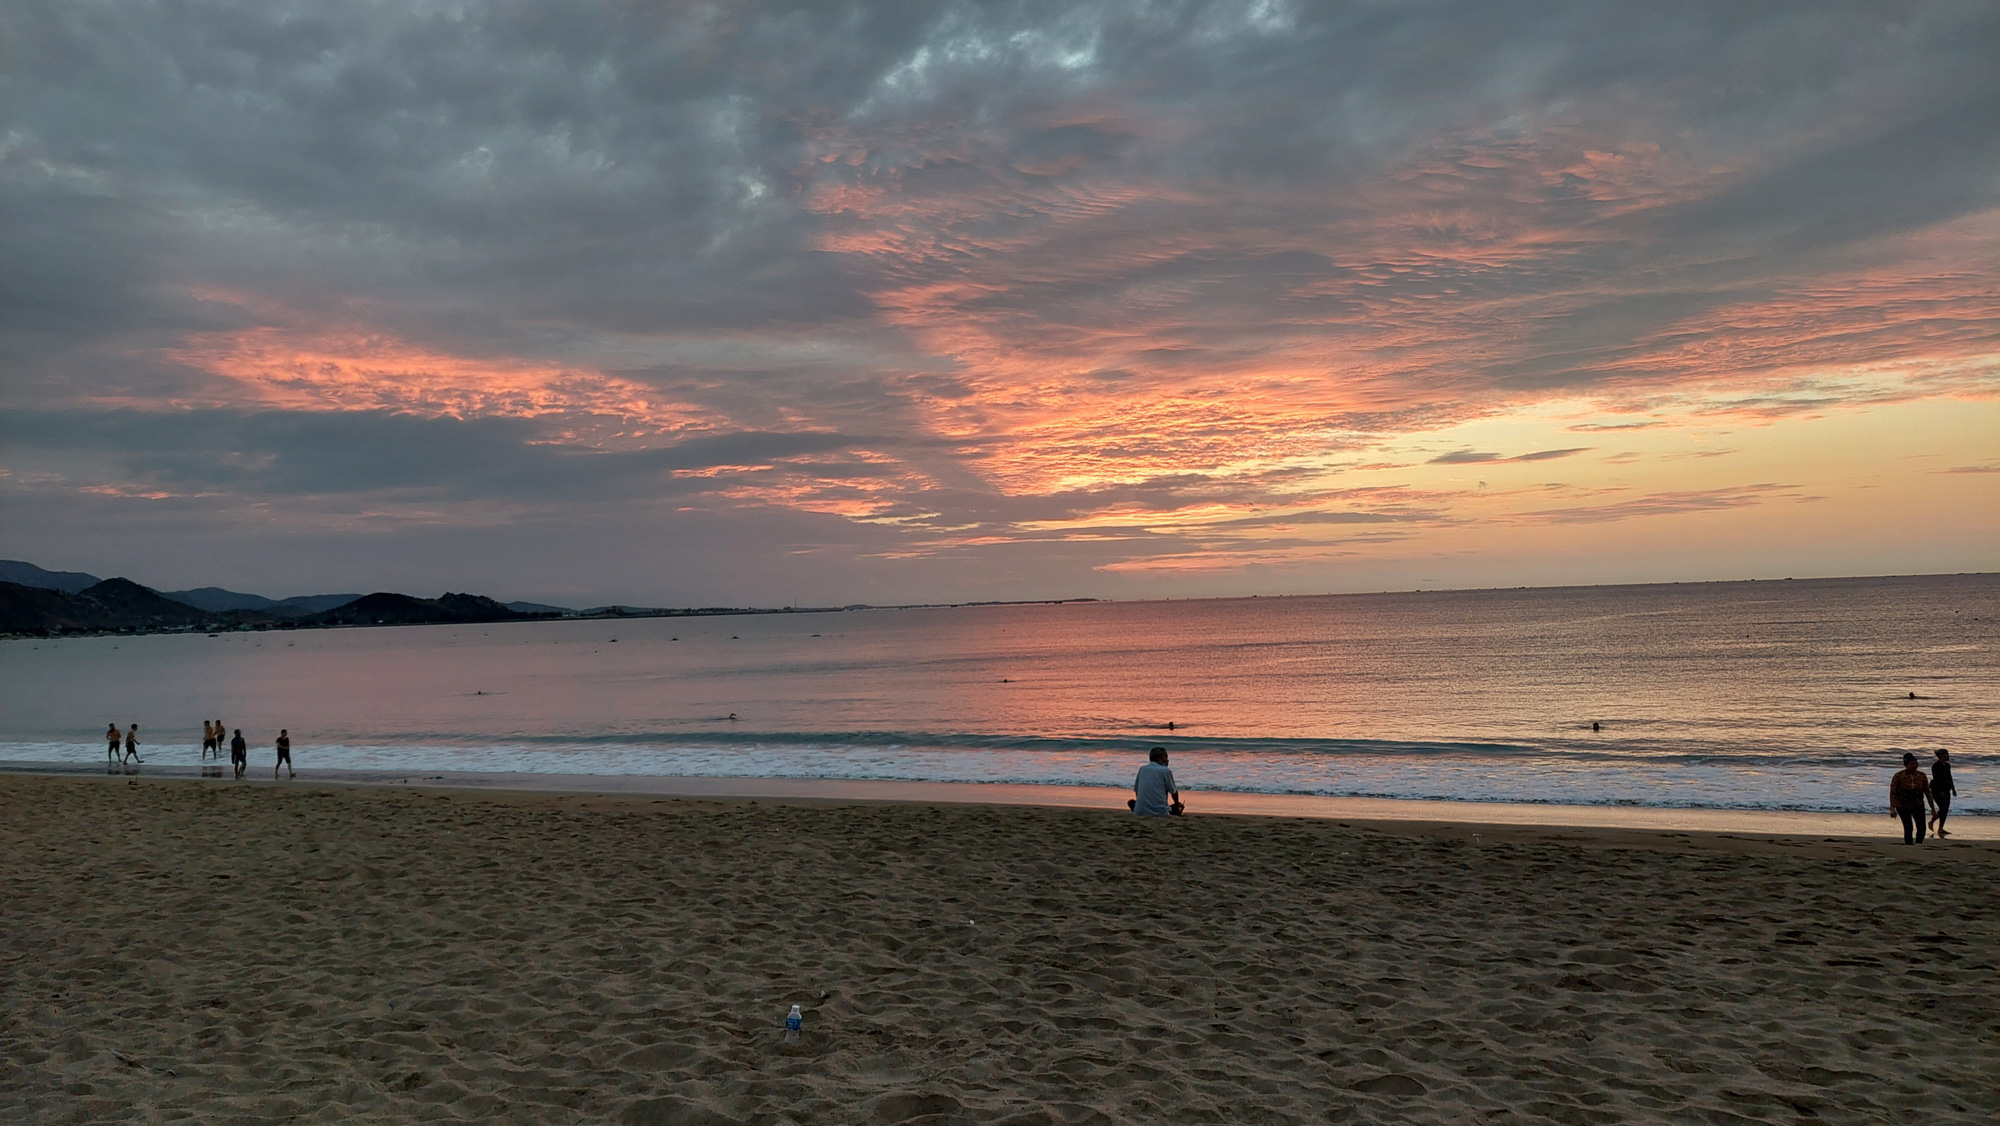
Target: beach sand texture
{"type": "Point", "coordinates": [229, 952]}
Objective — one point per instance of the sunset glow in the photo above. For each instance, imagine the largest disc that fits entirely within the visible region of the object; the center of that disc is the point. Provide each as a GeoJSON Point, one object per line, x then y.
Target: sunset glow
{"type": "Point", "coordinates": [1111, 302]}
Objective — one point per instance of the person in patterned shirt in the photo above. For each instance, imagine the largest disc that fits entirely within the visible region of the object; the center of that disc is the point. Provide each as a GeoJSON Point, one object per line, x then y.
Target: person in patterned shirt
{"type": "Point", "coordinates": [1909, 797]}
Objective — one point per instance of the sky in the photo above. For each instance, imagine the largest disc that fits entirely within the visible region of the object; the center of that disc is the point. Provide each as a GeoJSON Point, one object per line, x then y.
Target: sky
{"type": "Point", "coordinates": [830, 302]}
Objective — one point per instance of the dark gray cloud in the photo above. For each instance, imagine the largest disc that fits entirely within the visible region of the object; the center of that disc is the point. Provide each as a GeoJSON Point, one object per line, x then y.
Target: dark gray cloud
{"type": "Point", "coordinates": [274, 454]}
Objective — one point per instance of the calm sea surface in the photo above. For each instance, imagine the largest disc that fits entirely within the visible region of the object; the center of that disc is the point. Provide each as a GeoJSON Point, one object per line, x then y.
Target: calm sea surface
{"type": "Point", "coordinates": [1791, 695]}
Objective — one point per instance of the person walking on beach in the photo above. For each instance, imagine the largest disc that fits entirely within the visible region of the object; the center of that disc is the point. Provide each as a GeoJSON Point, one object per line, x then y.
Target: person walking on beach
{"type": "Point", "coordinates": [1942, 791]}
{"type": "Point", "coordinates": [1154, 793]}
{"type": "Point", "coordinates": [1909, 793]}
{"type": "Point", "coordinates": [284, 755]}
{"type": "Point", "coordinates": [132, 745]}
{"type": "Point", "coordinates": [112, 740]}
{"type": "Point", "coordinates": [239, 753]}
{"type": "Point", "coordinates": [209, 742]}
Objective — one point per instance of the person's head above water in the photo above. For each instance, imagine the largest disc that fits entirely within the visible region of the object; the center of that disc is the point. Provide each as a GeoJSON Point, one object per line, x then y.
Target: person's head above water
{"type": "Point", "coordinates": [1158, 754]}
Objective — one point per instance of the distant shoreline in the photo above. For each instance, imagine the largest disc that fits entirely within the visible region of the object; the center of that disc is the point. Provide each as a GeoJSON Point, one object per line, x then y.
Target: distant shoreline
{"type": "Point", "coordinates": [623, 612]}
{"type": "Point", "coordinates": [612, 614]}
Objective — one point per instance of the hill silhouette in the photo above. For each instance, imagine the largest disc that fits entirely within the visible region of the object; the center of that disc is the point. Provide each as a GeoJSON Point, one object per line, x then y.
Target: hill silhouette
{"type": "Point", "coordinates": [110, 605]}
{"type": "Point", "coordinates": [27, 574]}
{"type": "Point", "coordinates": [216, 598]}
{"type": "Point", "coordinates": [383, 608]}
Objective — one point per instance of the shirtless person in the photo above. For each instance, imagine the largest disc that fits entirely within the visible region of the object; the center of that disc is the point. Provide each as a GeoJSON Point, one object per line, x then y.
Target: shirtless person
{"type": "Point", "coordinates": [284, 755]}
{"type": "Point", "coordinates": [112, 740]}
{"type": "Point", "coordinates": [132, 745]}
{"type": "Point", "coordinates": [208, 740]}
{"type": "Point", "coordinates": [239, 753]}
{"type": "Point", "coordinates": [1909, 793]}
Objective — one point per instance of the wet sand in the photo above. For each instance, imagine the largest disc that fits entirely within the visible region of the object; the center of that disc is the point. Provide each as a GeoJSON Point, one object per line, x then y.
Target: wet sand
{"type": "Point", "coordinates": [204, 950]}
{"type": "Point", "coordinates": [1965, 825]}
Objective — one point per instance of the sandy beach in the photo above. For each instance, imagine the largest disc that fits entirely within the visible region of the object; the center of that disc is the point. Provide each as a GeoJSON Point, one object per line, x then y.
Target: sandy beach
{"type": "Point", "coordinates": [199, 950]}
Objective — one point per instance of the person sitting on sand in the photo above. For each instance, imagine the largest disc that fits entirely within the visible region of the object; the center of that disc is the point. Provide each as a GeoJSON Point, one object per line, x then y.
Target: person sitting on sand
{"type": "Point", "coordinates": [1154, 792]}
{"type": "Point", "coordinates": [284, 755]}
{"type": "Point", "coordinates": [1909, 791]}
{"type": "Point", "coordinates": [112, 741]}
{"type": "Point", "coordinates": [132, 745]}
{"type": "Point", "coordinates": [1942, 791]}
{"type": "Point", "coordinates": [239, 753]}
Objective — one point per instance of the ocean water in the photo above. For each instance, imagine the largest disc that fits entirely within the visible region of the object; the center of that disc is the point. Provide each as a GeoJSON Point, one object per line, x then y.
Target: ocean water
{"type": "Point", "coordinates": [1786, 695]}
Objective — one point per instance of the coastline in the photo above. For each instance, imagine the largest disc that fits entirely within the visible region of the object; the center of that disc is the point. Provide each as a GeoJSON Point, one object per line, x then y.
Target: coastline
{"type": "Point", "coordinates": [1638, 821]}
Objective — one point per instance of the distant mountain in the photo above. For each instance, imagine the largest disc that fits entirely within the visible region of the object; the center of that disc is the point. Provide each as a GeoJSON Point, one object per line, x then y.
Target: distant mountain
{"type": "Point", "coordinates": [27, 574]}
{"type": "Point", "coordinates": [300, 605]}
{"type": "Point", "coordinates": [536, 608]}
{"type": "Point", "coordinates": [37, 601]}
{"type": "Point", "coordinates": [382, 609]}
{"type": "Point", "coordinates": [41, 602]}
{"type": "Point", "coordinates": [113, 604]}
{"type": "Point", "coordinates": [216, 598]}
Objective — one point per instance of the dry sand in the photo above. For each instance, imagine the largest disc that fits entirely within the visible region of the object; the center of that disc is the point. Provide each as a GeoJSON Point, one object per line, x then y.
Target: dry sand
{"type": "Point", "coordinates": [222, 952]}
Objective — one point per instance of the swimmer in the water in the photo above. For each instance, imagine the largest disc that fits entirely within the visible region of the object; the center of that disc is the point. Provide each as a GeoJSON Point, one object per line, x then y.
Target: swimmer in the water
{"type": "Point", "coordinates": [732, 717]}
{"type": "Point", "coordinates": [1596, 726]}
{"type": "Point", "coordinates": [1170, 725]}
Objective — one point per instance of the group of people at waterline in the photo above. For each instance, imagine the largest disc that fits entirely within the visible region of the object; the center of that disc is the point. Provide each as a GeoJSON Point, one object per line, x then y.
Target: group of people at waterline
{"type": "Point", "coordinates": [1921, 801]}
{"type": "Point", "coordinates": [212, 733]}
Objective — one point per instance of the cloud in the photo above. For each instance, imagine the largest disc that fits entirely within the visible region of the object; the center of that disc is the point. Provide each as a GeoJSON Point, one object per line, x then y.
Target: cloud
{"type": "Point", "coordinates": [1670, 504]}
{"type": "Point", "coordinates": [961, 274]}
{"type": "Point", "coordinates": [1472, 457]}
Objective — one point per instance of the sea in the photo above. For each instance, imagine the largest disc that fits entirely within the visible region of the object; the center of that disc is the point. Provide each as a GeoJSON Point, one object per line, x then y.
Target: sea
{"type": "Point", "coordinates": [1794, 695]}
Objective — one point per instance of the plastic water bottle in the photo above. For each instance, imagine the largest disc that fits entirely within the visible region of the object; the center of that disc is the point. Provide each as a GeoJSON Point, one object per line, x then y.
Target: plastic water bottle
{"type": "Point", "coordinates": [794, 1021]}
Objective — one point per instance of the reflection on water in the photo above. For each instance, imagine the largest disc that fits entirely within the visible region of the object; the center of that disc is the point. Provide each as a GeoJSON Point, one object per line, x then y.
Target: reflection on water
{"type": "Point", "coordinates": [1796, 693]}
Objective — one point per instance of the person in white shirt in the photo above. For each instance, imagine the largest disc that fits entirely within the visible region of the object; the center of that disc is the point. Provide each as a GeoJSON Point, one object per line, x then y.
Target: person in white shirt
{"type": "Point", "coordinates": [1154, 793]}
